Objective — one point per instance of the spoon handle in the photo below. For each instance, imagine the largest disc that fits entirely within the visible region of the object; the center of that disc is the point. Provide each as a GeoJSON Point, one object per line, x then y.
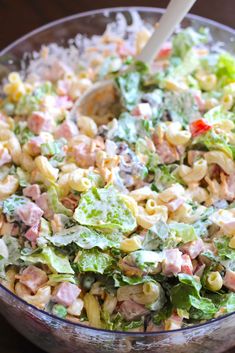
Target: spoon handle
{"type": "Point", "coordinates": [174, 14]}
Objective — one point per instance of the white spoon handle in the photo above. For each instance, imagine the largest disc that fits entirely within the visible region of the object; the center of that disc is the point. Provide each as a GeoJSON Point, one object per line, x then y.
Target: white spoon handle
{"type": "Point", "coordinates": [174, 14]}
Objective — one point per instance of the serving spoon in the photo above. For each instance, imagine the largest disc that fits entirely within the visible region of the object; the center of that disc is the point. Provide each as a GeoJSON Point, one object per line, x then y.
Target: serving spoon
{"type": "Point", "coordinates": [101, 102]}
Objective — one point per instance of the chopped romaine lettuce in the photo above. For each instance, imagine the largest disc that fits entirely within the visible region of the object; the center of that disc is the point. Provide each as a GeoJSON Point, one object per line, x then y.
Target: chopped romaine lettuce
{"type": "Point", "coordinates": [165, 176]}
{"type": "Point", "coordinates": [23, 177]}
{"type": "Point", "coordinates": [185, 232]}
{"type": "Point", "coordinates": [104, 209]}
{"type": "Point", "coordinates": [186, 295]}
{"type": "Point", "coordinates": [51, 148]}
{"type": "Point", "coordinates": [55, 278]}
{"type": "Point", "coordinates": [56, 261]}
{"type": "Point", "coordinates": [181, 106]}
{"type": "Point", "coordinates": [55, 204]}
{"type": "Point", "coordinates": [22, 132]}
{"type": "Point", "coordinates": [122, 280]}
{"type": "Point", "coordinates": [9, 253]}
{"type": "Point", "coordinates": [94, 260]}
{"type": "Point", "coordinates": [188, 38]}
{"type": "Point", "coordinates": [127, 128]}
{"type": "Point", "coordinates": [85, 238]}
{"type": "Point", "coordinates": [156, 236]}
{"type": "Point", "coordinates": [226, 68]}
{"type": "Point", "coordinates": [12, 203]}
{"type": "Point", "coordinates": [129, 88]}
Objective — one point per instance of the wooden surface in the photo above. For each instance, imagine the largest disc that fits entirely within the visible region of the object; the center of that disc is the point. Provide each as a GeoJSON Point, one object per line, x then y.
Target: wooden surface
{"type": "Point", "coordinates": [18, 17]}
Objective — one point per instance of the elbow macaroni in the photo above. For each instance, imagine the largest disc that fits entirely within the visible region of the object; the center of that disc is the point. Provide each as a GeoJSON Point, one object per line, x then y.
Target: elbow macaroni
{"type": "Point", "coordinates": [175, 135]}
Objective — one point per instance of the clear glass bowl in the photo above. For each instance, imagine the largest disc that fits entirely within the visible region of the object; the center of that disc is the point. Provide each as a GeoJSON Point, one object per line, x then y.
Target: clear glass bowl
{"type": "Point", "coordinates": [55, 335]}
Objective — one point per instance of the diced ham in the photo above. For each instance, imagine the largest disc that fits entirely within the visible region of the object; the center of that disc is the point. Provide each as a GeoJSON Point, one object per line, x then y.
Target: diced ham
{"type": "Point", "coordinates": [83, 157]}
{"type": "Point", "coordinates": [30, 214]}
{"type": "Point", "coordinates": [63, 102]}
{"type": "Point", "coordinates": [143, 110]}
{"type": "Point", "coordinates": [32, 191]}
{"type": "Point", "coordinates": [229, 280]}
{"type": "Point", "coordinates": [172, 262]}
{"type": "Point", "coordinates": [33, 278]}
{"type": "Point", "coordinates": [34, 145]}
{"type": "Point", "coordinates": [39, 121]}
{"type": "Point", "coordinates": [174, 204]}
{"type": "Point", "coordinates": [193, 248]}
{"type": "Point", "coordinates": [67, 130]}
{"type": "Point", "coordinates": [130, 310]}
{"type": "Point", "coordinates": [5, 157]}
{"type": "Point", "coordinates": [42, 202]}
{"type": "Point", "coordinates": [32, 233]}
{"type": "Point", "coordinates": [66, 293]}
{"type": "Point", "coordinates": [166, 152]}
{"type": "Point", "coordinates": [187, 266]}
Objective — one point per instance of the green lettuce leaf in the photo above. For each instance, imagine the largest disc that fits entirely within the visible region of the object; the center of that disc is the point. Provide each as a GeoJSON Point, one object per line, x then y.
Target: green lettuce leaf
{"type": "Point", "coordinates": [185, 232]}
{"type": "Point", "coordinates": [181, 106]}
{"type": "Point", "coordinates": [145, 260]}
{"type": "Point", "coordinates": [55, 204]}
{"type": "Point", "coordinates": [12, 203]}
{"type": "Point", "coordinates": [9, 253]}
{"type": "Point", "coordinates": [188, 38]}
{"type": "Point", "coordinates": [55, 278]}
{"type": "Point", "coordinates": [226, 68]}
{"type": "Point", "coordinates": [56, 261]}
{"type": "Point", "coordinates": [23, 177]}
{"type": "Point", "coordinates": [127, 128]}
{"type": "Point", "coordinates": [122, 280]}
{"type": "Point", "coordinates": [85, 238]}
{"type": "Point", "coordinates": [129, 89]}
{"type": "Point", "coordinates": [165, 177]}
{"type": "Point", "coordinates": [94, 260]}
{"type": "Point", "coordinates": [51, 148]}
{"type": "Point", "coordinates": [22, 132]}
{"type": "Point", "coordinates": [224, 252]}
{"type": "Point", "coordinates": [104, 209]}
{"type": "Point", "coordinates": [156, 237]}
{"type": "Point", "coordinates": [186, 295]}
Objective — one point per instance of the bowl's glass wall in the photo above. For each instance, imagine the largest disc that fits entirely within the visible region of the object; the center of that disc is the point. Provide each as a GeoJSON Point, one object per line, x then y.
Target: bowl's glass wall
{"type": "Point", "coordinates": [55, 335]}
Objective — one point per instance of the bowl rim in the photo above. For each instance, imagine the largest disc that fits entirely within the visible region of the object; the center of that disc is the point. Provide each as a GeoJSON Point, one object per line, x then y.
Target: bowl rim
{"type": "Point", "coordinates": [51, 24]}
{"type": "Point", "coordinates": [64, 20]}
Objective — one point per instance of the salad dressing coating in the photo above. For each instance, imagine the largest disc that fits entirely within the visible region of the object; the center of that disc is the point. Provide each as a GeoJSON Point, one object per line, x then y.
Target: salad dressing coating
{"type": "Point", "coordinates": [126, 222]}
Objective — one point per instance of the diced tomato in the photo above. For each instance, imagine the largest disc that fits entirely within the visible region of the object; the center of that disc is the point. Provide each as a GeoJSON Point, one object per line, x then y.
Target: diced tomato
{"type": "Point", "coordinates": [199, 127]}
{"type": "Point", "coordinates": [165, 51]}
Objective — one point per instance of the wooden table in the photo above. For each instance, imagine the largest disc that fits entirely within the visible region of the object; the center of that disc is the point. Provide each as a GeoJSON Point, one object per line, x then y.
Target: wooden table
{"type": "Point", "coordinates": [18, 17]}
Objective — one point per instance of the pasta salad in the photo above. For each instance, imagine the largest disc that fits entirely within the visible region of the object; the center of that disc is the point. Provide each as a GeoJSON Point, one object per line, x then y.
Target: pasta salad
{"type": "Point", "coordinates": [126, 223]}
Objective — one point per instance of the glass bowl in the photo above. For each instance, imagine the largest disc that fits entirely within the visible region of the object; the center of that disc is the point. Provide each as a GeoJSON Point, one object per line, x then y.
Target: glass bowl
{"type": "Point", "coordinates": [56, 335]}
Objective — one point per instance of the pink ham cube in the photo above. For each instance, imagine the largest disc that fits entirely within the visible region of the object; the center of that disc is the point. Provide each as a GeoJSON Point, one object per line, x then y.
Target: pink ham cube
{"type": "Point", "coordinates": [193, 248]}
{"type": "Point", "coordinates": [187, 266]}
{"type": "Point", "coordinates": [229, 280]}
{"type": "Point", "coordinates": [66, 293]}
{"type": "Point", "coordinates": [172, 263]}
{"type": "Point", "coordinates": [32, 233]}
{"type": "Point", "coordinates": [39, 121]}
{"type": "Point", "coordinates": [32, 191]}
{"type": "Point", "coordinates": [131, 310]}
{"type": "Point", "coordinates": [30, 214]}
{"type": "Point", "coordinates": [67, 130]}
{"type": "Point", "coordinates": [33, 278]}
